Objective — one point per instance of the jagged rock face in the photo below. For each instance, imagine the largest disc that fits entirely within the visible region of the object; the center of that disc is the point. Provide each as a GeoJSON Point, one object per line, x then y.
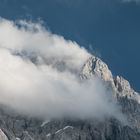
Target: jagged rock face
{"type": "Point", "coordinates": [96, 67]}
{"type": "Point", "coordinates": [16, 127]}
{"type": "Point", "coordinates": [2, 135]}
{"type": "Point", "coordinates": [131, 108]}
{"type": "Point", "coordinates": [122, 85]}
{"type": "Point", "coordinates": [124, 89]}
{"type": "Point", "coordinates": [32, 129]}
{"type": "Point", "coordinates": [126, 96]}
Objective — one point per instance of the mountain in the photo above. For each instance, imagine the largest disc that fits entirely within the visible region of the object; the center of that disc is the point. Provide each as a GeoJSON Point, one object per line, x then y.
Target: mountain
{"type": "Point", "coordinates": [18, 127]}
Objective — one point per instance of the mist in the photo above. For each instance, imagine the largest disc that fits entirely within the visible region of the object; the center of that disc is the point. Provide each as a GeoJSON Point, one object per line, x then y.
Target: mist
{"type": "Point", "coordinates": [39, 75]}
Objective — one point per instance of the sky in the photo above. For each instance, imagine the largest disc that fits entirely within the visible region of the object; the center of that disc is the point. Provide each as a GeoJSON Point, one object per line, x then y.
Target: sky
{"type": "Point", "coordinates": [108, 28]}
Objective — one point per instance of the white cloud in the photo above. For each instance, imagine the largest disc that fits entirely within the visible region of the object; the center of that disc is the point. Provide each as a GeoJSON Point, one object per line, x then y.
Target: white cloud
{"type": "Point", "coordinates": [38, 75]}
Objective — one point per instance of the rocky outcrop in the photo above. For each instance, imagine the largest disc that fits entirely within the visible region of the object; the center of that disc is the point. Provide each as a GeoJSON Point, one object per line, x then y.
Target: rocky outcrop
{"type": "Point", "coordinates": [2, 135]}
{"type": "Point", "coordinates": [96, 67]}
{"type": "Point", "coordinates": [31, 129]}
{"type": "Point", "coordinates": [125, 90]}
{"type": "Point", "coordinates": [128, 99]}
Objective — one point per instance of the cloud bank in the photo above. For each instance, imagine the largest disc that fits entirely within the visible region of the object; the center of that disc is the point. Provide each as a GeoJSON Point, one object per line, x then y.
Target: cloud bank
{"type": "Point", "coordinates": [39, 75]}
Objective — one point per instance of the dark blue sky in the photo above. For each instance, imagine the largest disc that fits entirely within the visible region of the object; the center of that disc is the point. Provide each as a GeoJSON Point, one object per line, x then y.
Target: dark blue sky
{"type": "Point", "coordinates": [110, 28]}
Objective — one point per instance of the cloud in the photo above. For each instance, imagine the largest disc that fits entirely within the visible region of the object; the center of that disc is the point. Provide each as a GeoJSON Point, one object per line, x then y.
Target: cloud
{"type": "Point", "coordinates": [39, 75]}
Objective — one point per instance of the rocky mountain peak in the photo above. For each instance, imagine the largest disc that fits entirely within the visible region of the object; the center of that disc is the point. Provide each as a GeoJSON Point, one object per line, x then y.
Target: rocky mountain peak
{"type": "Point", "coordinates": [96, 67]}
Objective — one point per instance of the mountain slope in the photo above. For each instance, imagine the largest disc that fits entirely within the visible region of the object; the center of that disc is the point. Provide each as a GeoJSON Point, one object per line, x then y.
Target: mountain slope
{"type": "Point", "coordinates": [16, 127]}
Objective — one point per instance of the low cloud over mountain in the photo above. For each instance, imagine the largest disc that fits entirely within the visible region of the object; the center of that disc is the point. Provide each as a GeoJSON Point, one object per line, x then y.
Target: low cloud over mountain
{"type": "Point", "coordinates": [39, 75]}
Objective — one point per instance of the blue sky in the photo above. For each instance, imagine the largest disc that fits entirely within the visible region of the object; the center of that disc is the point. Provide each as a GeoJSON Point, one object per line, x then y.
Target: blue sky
{"type": "Point", "coordinates": [109, 28]}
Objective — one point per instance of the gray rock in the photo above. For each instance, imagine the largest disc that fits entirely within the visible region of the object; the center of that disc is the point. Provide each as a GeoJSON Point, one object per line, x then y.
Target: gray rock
{"type": "Point", "coordinates": [2, 135]}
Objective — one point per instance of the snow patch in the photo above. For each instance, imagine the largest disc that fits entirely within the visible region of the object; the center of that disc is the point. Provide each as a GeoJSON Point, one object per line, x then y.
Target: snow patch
{"type": "Point", "coordinates": [44, 123]}
{"type": "Point", "coordinates": [67, 127]}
